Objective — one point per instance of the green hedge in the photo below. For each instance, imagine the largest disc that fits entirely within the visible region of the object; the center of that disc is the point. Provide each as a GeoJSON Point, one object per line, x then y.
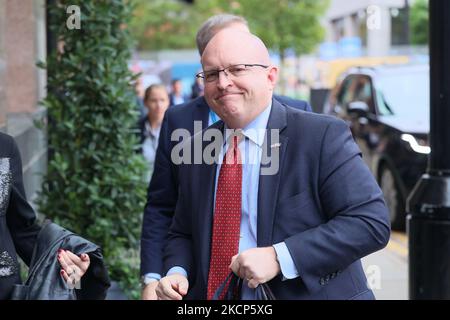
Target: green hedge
{"type": "Point", "coordinates": [94, 185]}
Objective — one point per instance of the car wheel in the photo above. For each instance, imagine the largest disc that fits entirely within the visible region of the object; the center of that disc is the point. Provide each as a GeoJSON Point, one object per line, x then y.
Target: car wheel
{"type": "Point", "coordinates": [393, 199]}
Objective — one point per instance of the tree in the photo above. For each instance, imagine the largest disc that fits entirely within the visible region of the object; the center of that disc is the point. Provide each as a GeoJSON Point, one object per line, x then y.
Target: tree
{"type": "Point", "coordinates": [285, 24]}
{"type": "Point", "coordinates": [163, 24]}
{"type": "Point", "coordinates": [94, 185]}
{"type": "Point", "coordinates": [419, 22]}
{"type": "Point", "coordinates": [281, 24]}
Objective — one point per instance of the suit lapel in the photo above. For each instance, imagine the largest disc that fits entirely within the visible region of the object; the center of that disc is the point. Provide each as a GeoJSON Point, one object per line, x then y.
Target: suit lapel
{"type": "Point", "coordinates": [269, 184]}
{"type": "Point", "coordinates": [207, 174]}
{"type": "Point", "coordinates": [201, 113]}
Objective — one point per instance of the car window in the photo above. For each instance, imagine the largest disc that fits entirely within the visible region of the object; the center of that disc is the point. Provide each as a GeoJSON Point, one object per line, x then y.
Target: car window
{"type": "Point", "coordinates": [405, 93]}
{"type": "Point", "coordinates": [383, 106]}
{"type": "Point", "coordinates": [363, 92]}
{"type": "Point", "coordinates": [346, 92]}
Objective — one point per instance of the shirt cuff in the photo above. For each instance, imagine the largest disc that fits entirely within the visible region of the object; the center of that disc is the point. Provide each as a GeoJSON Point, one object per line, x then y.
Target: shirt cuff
{"type": "Point", "coordinates": [151, 275]}
{"type": "Point", "coordinates": [177, 269]}
{"type": "Point", "coordinates": [287, 266]}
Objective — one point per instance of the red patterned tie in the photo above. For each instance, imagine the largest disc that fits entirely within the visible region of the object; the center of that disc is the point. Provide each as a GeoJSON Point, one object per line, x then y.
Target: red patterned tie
{"type": "Point", "coordinates": [227, 218]}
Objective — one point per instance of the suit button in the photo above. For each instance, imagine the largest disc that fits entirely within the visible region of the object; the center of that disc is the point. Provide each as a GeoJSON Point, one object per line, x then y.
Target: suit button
{"type": "Point", "coordinates": [327, 278]}
{"type": "Point", "coordinates": [333, 275]}
{"type": "Point", "coordinates": [322, 281]}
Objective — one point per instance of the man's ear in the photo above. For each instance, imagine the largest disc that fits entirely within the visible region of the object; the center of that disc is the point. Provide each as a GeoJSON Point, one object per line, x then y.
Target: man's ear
{"type": "Point", "coordinates": [273, 75]}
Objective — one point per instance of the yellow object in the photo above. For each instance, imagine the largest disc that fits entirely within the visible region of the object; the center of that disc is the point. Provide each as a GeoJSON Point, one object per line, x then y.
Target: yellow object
{"type": "Point", "coordinates": [330, 70]}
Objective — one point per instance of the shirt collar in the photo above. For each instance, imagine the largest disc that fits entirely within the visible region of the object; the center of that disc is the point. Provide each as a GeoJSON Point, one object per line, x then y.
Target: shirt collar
{"type": "Point", "coordinates": [149, 131]}
{"type": "Point", "coordinates": [256, 129]}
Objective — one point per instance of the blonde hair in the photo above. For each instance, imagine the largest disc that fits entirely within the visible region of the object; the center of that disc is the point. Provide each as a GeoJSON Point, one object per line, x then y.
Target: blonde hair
{"type": "Point", "coordinates": [149, 90]}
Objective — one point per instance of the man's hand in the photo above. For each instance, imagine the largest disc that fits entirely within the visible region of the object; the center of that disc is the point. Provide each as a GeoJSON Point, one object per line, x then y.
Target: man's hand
{"type": "Point", "coordinates": [149, 291]}
{"type": "Point", "coordinates": [172, 287]}
{"type": "Point", "coordinates": [257, 265]}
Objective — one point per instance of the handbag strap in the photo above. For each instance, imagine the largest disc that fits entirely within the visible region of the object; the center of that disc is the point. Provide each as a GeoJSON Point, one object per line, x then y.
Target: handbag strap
{"type": "Point", "coordinates": [229, 288]}
{"type": "Point", "coordinates": [233, 284]}
{"type": "Point", "coordinates": [263, 292]}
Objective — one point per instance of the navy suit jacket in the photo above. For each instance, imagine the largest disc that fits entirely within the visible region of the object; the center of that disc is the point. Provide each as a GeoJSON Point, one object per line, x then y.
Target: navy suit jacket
{"type": "Point", "coordinates": [172, 99]}
{"type": "Point", "coordinates": [323, 202]}
{"type": "Point", "coordinates": [162, 192]}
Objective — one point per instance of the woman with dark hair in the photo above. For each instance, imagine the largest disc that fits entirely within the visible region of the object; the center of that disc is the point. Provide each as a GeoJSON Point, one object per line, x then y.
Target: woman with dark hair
{"type": "Point", "coordinates": [156, 100]}
{"type": "Point", "coordinates": [18, 227]}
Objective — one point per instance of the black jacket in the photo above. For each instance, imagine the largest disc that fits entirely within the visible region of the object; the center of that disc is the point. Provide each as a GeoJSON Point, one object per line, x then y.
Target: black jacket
{"type": "Point", "coordinates": [18, 236]}
{"type": "Point", "coordinates": [18, 228]}
{"type": "Point", "coordinates": [44, 280]}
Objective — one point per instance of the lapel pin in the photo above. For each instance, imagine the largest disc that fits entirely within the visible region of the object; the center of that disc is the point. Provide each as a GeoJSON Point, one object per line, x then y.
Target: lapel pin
{"type": "Point", "coordinates": [275, 145]}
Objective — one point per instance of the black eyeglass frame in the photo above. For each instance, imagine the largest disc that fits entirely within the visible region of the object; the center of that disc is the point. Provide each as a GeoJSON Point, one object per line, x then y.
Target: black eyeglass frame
{"type": "Point", "coordinates": [202, 74]}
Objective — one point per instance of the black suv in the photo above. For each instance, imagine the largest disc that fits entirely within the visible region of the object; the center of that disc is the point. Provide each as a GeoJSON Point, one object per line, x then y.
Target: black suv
{"type": "Point", "coordinates": [387, 108]}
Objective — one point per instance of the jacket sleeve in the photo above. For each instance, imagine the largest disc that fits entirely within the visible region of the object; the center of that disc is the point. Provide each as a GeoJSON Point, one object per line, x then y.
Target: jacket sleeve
{"type": "Point", "coordinates": [357, 217]}
{"type": "Point", "coordinates": [162, 195]}
{"type": "Point", "coordinates": [20, 216]}
{"type": "Point", "coordinates": [179, 249]}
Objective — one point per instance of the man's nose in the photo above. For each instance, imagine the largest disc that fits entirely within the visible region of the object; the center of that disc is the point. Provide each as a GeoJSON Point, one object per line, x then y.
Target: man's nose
{"type": "Point", "coordinates": [224, 80]}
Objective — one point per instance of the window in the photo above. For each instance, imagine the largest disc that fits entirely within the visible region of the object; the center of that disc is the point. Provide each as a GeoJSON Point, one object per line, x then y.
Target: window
{"type": "Point", "coordinates": [345, 94]}
{"type": "Point", "coordinates": [363, 92]}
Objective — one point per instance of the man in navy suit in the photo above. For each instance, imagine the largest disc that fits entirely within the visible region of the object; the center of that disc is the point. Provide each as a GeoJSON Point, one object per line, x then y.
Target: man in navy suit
{"type": "Point", "coordinates": [303, 227]}
{"type": "Point", "coordinates": [177, 96]}
{"type": "Point", "coordinates": [163, 189]}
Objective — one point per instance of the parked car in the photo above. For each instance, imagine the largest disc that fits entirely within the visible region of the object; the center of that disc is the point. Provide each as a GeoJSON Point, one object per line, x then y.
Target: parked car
{"type": "Point", "coordinates": [387, 108]}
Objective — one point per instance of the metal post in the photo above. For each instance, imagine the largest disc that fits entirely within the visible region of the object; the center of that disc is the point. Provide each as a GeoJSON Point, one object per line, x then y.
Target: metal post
{"type": "Point", "coordinates": [406, 32]}
{"type": "Point", "coordinates": [428, 221]}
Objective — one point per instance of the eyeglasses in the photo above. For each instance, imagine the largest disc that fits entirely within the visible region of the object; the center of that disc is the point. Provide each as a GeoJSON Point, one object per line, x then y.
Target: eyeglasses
{"type": "Point", "coordinates": [236, 70]}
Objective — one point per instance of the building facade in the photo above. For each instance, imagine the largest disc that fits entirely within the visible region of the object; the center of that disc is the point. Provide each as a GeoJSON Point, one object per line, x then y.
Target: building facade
{"type": "Point", "coordinates": [22, 84]}
{"type": "Point", "coordinates": [374, 25]}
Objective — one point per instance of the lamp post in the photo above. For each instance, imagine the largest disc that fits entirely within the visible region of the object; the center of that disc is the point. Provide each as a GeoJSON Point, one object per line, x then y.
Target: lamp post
{"type": "Point", "coordinates": [428, 206]}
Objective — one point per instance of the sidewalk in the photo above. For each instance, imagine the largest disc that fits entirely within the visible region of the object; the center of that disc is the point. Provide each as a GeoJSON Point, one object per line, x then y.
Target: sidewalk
{"type": "Point", "coordinates": [391, 264]}
{"type": "Point", "coordinates": [115, 293]}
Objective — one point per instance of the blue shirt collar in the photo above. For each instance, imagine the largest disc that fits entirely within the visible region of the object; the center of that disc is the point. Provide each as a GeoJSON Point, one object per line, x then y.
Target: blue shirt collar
{"type": "Point", "coordinates": [256, 128]}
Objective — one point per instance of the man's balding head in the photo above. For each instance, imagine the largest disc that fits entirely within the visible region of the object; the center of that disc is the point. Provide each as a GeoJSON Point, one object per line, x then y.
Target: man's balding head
{"type": "Point", "coordinates": [246, 77]}
{"type": "Point", "coordinates": [237, 43]}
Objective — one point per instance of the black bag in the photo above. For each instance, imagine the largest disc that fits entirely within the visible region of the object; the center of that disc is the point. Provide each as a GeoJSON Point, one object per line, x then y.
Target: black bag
{"type": "Point", "coordinates": [233, 287]}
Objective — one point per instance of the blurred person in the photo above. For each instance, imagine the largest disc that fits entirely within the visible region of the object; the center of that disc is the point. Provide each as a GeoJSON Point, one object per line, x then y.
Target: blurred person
{"type": "Point", "coordinates": [176, 95]}
{"type": "Point", "coordinates": [162, 194]}
{"type": "Point", "coordinates": [156, 100]}
{"type": "Point", "coordinates": [140, 92]}
{"type": "Point", "coordinates": [302, 229]}
{"type": "Point", "coordinates": [20, 232]}
{"type": "Point", "coordinates": [197, 88]}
